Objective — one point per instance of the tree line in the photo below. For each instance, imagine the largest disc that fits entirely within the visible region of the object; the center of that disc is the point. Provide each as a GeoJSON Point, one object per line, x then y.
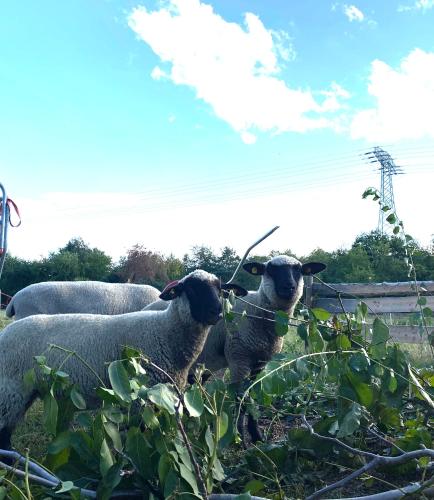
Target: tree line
{"type": "Point", "coordinates": [372, 257]}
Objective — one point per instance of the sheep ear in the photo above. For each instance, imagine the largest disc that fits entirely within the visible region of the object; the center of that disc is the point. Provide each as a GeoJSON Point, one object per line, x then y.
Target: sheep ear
{"type": "Point", "coordinates": [172, 290]}
{"type": "Point", "coordinates": [312, 268]}
{"type": "Point", "coordinates": [238, 290]}
{"type": "Point", "coordinates": [255, 268]}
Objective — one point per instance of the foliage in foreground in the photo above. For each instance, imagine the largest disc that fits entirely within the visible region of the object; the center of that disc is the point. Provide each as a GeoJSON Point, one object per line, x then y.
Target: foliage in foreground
{"type": "Point", "coordinates": [348, 386]}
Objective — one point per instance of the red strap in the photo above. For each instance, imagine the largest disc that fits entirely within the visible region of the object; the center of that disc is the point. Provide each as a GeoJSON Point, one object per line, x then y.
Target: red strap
{"type": "Point", "coordinates": [10, 203]}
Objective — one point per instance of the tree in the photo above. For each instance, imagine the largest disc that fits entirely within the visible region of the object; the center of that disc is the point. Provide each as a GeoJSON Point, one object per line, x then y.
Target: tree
{"type": "Point", "coordinates": [143, 266]}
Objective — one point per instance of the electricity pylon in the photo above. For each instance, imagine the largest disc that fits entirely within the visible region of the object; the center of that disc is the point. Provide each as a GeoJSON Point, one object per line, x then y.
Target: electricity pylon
{"type": "Point", "coordinates": [387, 168]}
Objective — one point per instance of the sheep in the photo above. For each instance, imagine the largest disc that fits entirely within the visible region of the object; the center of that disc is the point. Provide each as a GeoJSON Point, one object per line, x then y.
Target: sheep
{"type": "Point", "coordinates": [172, 339]}
{"type": "Point", "coordinates": [93, 297]}
{"type": "Point", "coordinates": [253, 343]}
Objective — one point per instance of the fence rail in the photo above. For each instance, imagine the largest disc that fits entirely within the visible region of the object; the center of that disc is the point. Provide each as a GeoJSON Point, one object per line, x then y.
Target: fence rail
{"type": "Point", "coordinates": [381, 298]}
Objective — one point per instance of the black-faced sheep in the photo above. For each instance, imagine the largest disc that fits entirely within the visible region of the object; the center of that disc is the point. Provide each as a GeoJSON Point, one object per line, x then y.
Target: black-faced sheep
{"type": "Point", "coordinates": [172, 339]}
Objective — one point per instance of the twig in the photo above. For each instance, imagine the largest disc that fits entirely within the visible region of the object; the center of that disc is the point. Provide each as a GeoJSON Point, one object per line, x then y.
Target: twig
{"type": "Point", "coordinates": [399, 493]}
{"type": "Point", "coordinates": [376, 460]}
{"type": "Point", "coordinates": [202, 485]}
{"type": "Point", "coordinates": [86, 364]}
{"type": "Point", "coordinates": [248, 251]}
{"type": "Point", "coordinates": [379, 436]}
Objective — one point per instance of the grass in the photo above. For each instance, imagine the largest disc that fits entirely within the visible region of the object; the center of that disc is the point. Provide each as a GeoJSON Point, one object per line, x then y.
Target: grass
{"type": "Point", "coordinates": [3, 320]}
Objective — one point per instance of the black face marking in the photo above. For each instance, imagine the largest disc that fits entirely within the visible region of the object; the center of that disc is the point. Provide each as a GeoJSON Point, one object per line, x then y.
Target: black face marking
{"type": "Point", "coordinates": [204, 299]}
{"type": "Point", "coordinates": [286, 279]}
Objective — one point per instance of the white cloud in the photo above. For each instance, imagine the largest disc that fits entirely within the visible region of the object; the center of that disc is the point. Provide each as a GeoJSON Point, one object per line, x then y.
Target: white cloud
{"type": "Point", "coordinates": [422, 5]}
{"type": "Point", "coordinates": [353, 13]}
{"type": "Point", "coordinates": [157, 73]}
{"type": "Point", "coordinates": [404, 100]}
{"type": "Point", "coordinates": [232, 68]}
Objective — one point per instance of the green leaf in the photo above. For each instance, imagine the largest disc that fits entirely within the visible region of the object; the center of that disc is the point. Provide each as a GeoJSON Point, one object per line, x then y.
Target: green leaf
{"type": "Point", "coordinates": [254, 486]}
{"type": "Point", "coordinates": [343, 342]}
{"type": "Point", "coordinates": [393, 383]}
{"type": "Point", "coordinates": [316, 342]}
{"type": "Point", "coordinates": [302, 332]}
{"type": "Point", "coordinates": [106, 458]}
{"type": "Point", "coordinates": [193, 401]}
{"type": "Point", "coordinates": [164, 465]}
{"type": "Point", "coordinates": [77, 399]}
{"type": "Point", "coordinates": [391, 219]}
{"type": "Point", "coordinates": [209, 439]}
{"type": "Point", "coordinates": [60, 442]}
{"type": "Point", "coordinates": [421, 301]}
{"type": "Point", "coordinates": [3, 492]}
{"type": "Point", "coordinates": [380, 335]}
{"type": "Point", "coordinates": [281, 326]}
{"type": "Point", "coordinates": [163, 397]}
{"type": "Point", "coordinates": [223, 421]}
{"type": "Point", "coordinates": [427, 312]}
{"type": "Point", "coordinates": [422, 391]}
{"type": "Point", "coordinates": [217, 470]}
{"type": "Point", "coordinates": [359, 362]}
{"type": "Point", "coordinates": [119, 380]}
{"type": "Point", "coordinates": [351, 421]}
{"type": "Point", "coordinates": [113, 433]}
{"type": "Point", "coordinates": [189, 477]}
{"type": "Point", "coordinates": [114, 414]}
{"type": "Point", "coordinates": [321, 314]}
{"type": "Point", "coordinates": [396, 229]}
{"type": "Point", "coordinates": [149, 418]}
{"type": "Point", "coordinates": [137, 449]}
{"type": "Point", "coordinates": [51, 410]}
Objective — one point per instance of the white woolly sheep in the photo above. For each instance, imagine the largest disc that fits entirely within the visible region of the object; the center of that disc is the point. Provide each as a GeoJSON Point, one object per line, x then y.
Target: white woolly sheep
{"type": "Point", "coordinates": [92, 297]}
{"type": "Point", "coordinates": [172, 339]}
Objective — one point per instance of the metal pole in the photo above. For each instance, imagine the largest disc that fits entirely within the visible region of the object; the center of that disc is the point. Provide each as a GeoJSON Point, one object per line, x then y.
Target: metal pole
{"type": "Point", "coordinates": [248, 251]}
{"type": "Point", "coordinates": [4, 222]}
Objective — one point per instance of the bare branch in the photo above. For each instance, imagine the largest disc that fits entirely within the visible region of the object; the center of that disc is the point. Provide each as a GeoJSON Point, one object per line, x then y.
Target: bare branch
{"type": "Point", "coordinates": [248, 251]}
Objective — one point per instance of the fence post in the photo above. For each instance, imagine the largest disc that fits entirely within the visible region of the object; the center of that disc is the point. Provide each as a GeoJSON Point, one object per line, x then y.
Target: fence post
{"type": "Point", "coordinates": [308, 282]}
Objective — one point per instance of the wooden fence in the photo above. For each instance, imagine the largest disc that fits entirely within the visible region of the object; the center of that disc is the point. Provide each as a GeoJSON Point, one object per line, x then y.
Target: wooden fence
{"type": "Point", "coordinates": [381, 298]}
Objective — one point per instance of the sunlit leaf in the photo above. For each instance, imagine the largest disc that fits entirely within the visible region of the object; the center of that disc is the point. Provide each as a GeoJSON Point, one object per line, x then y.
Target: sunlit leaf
{"type": "Point", "coordinates": [321, 314]}
{"type": "Point", "coordinates": [119, 380]}
{"type": "Point", "coordinates": [193, 401]}
{"type": "Point", "coordinates": [163, 397]}
{"type": "Point", "coordinates": [281, 324]}
{"type": "Point", "coordinates": [351, 421]}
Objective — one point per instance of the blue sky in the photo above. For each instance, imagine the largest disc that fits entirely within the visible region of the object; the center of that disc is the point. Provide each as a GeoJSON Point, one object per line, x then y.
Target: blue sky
{"type": "Point", "coordinates": [180, 122]}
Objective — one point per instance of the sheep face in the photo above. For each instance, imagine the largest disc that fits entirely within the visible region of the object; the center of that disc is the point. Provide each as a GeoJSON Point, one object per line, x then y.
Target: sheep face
{"type": "Point", "coordinates": [282, 278]}
{"type": "Point", "coordinates": [203, 292]}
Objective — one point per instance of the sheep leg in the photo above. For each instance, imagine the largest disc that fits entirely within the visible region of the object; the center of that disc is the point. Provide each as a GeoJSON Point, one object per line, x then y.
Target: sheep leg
{"type": "Point", "coordinates": [5, 439]}
{"type": "Point", "coordinates": [13, 404]}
